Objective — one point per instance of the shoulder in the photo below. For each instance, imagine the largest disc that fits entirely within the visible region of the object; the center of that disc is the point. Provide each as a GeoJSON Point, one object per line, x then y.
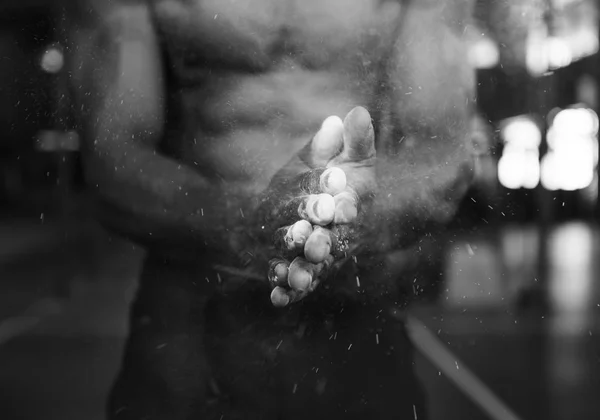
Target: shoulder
{"type": "Point", "coordinates": [99, 27]}
{"type": "Point", "coordinates": [118, 17]}
{"type": "Point", "coordinates": [110, 44]}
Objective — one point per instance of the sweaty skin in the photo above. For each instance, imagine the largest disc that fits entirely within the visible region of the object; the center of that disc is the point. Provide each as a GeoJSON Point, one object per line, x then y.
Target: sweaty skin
{"type": "Point", "coordinates": [193, 109]}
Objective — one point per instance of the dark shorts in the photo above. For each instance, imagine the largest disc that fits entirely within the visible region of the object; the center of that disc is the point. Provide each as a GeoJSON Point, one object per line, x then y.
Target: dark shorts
{"type": "Point", "coordinates": [200, 351]}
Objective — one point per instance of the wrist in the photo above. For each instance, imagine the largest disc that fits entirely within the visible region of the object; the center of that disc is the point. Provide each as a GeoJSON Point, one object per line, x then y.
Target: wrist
{"type": "Point", "coordinates": [247, 234]}
{"type": "Point", "coordinates": [375, 226]}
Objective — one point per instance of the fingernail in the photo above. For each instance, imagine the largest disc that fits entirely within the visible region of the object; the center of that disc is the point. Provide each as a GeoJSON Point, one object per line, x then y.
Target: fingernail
{"type": "Point", "coordinates": [300, 274]}
{"type": "Point", "coordinates": [346, 209]}
{"type": "Point", "coordinates": [333, 181]}
{"type": "Point", "coordinates": [300, 231]}
{"type": "Point", "coordinates": [328, 142]}
{"type": "Point", "coordinates": [321, 209]}
{"type": "Point", "coordinates": [329, 137]}
{"type": "Point", "coordinates": [278, 272]}
{"type": "Point", "coordinates": [359, 134]}
{"type": "Point", "coordinates": [332, 124]}
{"type": "Point", "coordinates": [358, 119]}
{"type": "Point", "coordinates": [279, 297]}
{"type": "Point", "coordinates": [318, 246]}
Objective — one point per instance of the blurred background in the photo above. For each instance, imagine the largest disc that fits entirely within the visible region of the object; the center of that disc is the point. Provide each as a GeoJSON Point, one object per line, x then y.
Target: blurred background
{"type": "Point", "coordinates": [509, 289]}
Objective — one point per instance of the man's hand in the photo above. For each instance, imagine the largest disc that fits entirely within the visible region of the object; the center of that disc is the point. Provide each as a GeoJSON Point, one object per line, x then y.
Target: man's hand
{"type": "Point", "coordinates": [320, 208]}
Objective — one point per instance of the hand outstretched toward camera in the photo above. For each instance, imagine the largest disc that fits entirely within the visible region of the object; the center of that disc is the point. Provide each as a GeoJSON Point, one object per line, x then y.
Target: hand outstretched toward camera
{"type": "Point", "coordinates": [314, 216]}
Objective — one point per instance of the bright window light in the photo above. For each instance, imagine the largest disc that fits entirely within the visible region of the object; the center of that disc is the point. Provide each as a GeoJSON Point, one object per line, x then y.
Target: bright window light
{"type": "Point", "coordinates": [571, 255]}
{"type": "Point", "coordinates": [484, 54]}
{"type": "Point", "coordinates": [572, 157]}
{"type": "Point", "coordinates": [519, 169]}
{"type": "Point", "coordinates": [519, 166]}
{"type": "Point", "coordinates": [52, 60]}
{"type": "Point", "coordinates": [559, 53]}
{"type": "Point", "coordinates": [521, 131]}
{"type": "Point", "coordinates": [536, 52]}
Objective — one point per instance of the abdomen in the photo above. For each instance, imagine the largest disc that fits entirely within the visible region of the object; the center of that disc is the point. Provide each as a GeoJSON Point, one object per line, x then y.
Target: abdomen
{"type": "Point", "coordinates": [244, 128]}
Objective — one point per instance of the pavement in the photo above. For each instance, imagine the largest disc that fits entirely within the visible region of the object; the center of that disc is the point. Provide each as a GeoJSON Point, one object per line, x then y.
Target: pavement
{"type": "Point", "coordinates": [530, 337]}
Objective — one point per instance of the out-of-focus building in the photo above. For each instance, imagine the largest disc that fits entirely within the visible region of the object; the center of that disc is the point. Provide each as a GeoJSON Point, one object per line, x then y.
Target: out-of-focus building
{"type": "Point", "coordinates": [35, 155]}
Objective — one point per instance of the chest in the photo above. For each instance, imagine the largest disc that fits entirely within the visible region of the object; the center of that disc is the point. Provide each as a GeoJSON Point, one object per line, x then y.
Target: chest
{"type": "Point", "coordinates": [256, 34]}
{"type": "Point", "coordinates": [259, 76]}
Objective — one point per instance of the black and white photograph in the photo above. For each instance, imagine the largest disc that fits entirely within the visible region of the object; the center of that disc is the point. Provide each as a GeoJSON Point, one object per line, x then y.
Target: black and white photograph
{"type": "Point", "coordinates": [299, 210]}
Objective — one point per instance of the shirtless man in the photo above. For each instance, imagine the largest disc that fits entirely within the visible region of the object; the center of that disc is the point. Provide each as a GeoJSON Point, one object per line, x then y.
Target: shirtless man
{"type": "Point", "coordinates": [194, 108]}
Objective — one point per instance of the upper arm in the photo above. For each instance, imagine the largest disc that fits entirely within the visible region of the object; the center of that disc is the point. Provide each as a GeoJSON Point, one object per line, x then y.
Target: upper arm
{"type": "Point", "coordinates": [118, 82]}
{"type": "Point", "coordinates": [433, 99]}
{"type": "Point", "coordinates": [433, 79]}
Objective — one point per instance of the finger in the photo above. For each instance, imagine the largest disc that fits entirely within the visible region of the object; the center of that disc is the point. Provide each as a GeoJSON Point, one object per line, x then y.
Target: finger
{"type": "Point", "coordinates": [318, 209]}
{"type": "Point", "coordinates": [284, 206]}
{"type": "Point", "coordinates": [346, 207]}
{"type": "Point", "coordinates": [337, 241]}
{"type": "Point", "coordinates": [321, 272]}
{"type": "Point", "coordinates": [319, 245]}
{"type": "Point", "coordinates": [304, 277]}
{"type": "Point", "coordinates": [333, 181]}
{"type": "Point", "coordinates": [301, 274]}
{"type": "Point", "coordinates": [278, 272]}
{"type": "Point", "coordinates": [359, 136]}
{"type": "Point", "coordinates": [326, 144]}
{"type": "Point", "coordinates": [280, 204]}
{"type": "Point", "coordinates": [290, 239]}
{"type": "Point", "coordinates": [322, 180]}
{"type": "Point", "coordinates": [280, 297]}
{"type": "Point", "coordinates": [298, 295]}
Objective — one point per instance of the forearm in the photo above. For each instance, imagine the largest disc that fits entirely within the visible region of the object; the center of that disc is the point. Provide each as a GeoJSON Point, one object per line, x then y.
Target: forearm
{"type": "Point", "coordinates": [119, 92]}
{"type": "Point", "coordinates": [162, 203]}
{"type": "Point", "coordinates": [419, 192]}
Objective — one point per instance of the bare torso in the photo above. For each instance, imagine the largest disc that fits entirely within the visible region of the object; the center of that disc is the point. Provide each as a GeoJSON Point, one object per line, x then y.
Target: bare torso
{"type": "Point", "coordinates": [257, 78]}
{"type": "Point", "coordinates": [249, 83]}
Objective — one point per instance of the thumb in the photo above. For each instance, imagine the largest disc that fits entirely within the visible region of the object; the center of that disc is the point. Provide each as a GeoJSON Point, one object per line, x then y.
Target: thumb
{"type": "Point", "coordinates": [359, 136]}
